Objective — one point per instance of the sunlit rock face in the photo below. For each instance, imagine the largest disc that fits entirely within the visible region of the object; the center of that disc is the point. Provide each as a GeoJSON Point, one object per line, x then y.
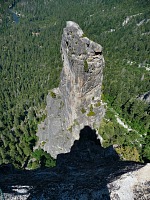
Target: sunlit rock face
{"type": "Point", "coordinates": [77, 101]}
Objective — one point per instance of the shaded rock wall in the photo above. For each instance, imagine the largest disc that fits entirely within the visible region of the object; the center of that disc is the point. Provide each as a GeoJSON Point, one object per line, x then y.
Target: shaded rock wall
{"type": "Point", "coordinates": [77, 101]}
{"type": "Point", "coordinates": [88, 171]}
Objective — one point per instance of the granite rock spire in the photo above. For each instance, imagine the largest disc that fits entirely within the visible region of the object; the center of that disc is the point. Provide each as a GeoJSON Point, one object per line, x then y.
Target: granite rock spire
{"type": "Point", "coordinates": [77, 100]}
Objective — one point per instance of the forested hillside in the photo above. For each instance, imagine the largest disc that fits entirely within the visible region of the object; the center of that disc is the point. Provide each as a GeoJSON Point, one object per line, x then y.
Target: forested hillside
{"type": "Point", "coordinates": [30, 65]}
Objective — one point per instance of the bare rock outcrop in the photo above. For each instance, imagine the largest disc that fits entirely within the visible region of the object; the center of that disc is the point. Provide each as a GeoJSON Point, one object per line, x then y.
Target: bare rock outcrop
{"type": "Point", "coordinates": [77, 100]}
{"type": "Point", "coordinates": [145, 97]}
{"type": "Point", "coordinates": [88, 171]}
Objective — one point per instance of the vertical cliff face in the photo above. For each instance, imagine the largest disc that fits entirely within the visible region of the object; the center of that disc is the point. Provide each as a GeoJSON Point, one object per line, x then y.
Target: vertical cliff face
{"type": "Point", "coordinates": [77, 101]}
{"type": "Point", "coordinates": [81, 77]}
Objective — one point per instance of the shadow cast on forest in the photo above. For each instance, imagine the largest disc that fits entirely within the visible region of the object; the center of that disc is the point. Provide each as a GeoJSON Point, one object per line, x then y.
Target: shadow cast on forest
{"type": "Point", "coordinates": [83, 172]}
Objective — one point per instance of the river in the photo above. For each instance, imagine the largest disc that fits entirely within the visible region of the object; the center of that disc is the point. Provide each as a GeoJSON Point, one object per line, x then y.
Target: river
{"type": "Point", "coordinates": [15, 16]}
